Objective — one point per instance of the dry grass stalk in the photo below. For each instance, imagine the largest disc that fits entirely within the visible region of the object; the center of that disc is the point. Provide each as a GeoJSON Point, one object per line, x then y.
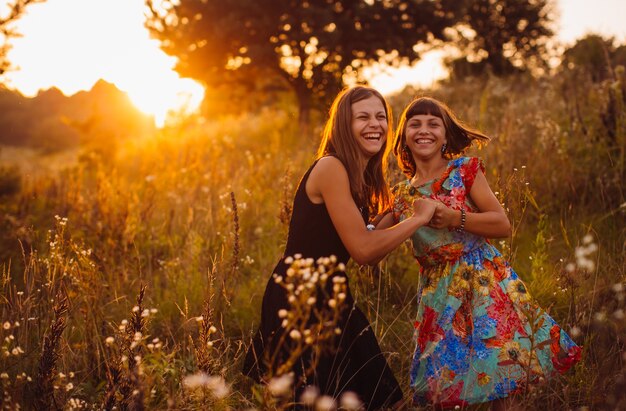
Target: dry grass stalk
{"type": "Point", "coordinates": [205, 344]}
{"type": "Point", "coordinates": [44, 387]}
{"type": "Point", "coordinates": [124, 388]}
{"type": "Point", "coordinates": [234, 268]}
{"type": "Point", "coordinates": [286, 201]}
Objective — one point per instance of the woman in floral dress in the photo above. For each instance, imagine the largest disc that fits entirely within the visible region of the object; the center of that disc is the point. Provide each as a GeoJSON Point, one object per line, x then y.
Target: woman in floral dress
{"type": "Point", "coordinates": [479, 335]}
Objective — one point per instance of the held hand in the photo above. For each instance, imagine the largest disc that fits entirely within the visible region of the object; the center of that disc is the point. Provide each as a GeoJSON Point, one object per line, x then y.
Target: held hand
{"type": "Point", "coordinates": [425, 208]}
{"type": "Point", "coordinates": [445, 217]}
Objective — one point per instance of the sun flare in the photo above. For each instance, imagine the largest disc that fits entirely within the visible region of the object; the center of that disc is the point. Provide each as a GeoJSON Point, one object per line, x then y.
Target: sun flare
{"type": "Point", "coordinates": [72, 44]}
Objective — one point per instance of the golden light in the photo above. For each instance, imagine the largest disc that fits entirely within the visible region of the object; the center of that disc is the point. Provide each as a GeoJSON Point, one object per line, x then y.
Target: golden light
{"type": "Point", "coordinates": [425, 73]}
{"type": "Point", "coordinates": [71, 44]}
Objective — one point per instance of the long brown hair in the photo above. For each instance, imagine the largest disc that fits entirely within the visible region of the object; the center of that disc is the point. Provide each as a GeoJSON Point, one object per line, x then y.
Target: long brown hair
{"type": "Point", "coordinates": [370, 187]}
{"type": "Point", "coordinates": [459, 136]}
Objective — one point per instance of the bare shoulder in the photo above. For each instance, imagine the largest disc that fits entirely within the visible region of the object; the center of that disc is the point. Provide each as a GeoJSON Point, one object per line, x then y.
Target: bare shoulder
{"type": "Point", "coordinates": [327, 175]}
{"type": "Point", "coordinates": [329, 164]}
{"type": "Point", "coordinates": [328, 169]}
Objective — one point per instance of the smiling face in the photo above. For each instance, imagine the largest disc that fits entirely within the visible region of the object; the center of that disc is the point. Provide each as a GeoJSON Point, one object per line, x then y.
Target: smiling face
{"type": "Point", "coordinates": [425, 136]}
{"type": "Point", "coordinates": [369, 125]}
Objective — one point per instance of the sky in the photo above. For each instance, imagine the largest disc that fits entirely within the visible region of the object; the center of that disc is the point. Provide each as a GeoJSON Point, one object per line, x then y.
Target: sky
{"type": "Point", "coordinates": [70, 44]}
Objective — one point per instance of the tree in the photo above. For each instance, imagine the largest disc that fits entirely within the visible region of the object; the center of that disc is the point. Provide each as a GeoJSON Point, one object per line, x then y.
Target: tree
{"type": "Point", "coordinates": [311, 46]}
{"type": "Point", "coordinates": [506, 35]}
{"type": "Point", "coordinates": [7, 31]}
{"type": "Point", "coordinates": [593, 55]}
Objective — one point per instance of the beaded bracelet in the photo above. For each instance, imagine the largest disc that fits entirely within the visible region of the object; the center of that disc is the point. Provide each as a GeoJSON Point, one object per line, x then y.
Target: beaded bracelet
{"type": "Point", "coordinates": [461, 228]}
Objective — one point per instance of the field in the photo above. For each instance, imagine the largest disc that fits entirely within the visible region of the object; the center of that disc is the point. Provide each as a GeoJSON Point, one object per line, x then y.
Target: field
{"type": "Point", "coordinates": [126, 271]}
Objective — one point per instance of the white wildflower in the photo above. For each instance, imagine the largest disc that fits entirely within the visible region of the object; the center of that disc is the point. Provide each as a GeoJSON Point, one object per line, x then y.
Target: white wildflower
{"type": "Point", "coordinates": [195, 380]}
{"type": "Point", "coordinates": [218, 387]}
{"type": "Point", "coordinates": [325, 403]}
{"type": "Point", "coordinates": [309, 395]}
{"type": "Point", "coordinates": [350, 401]}
{"type": "Point", "coordinates": [280, 386]}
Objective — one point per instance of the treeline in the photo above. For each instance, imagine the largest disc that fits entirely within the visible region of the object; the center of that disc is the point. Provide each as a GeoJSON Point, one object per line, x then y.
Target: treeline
{"type": "Point", "coordinates": [52, 121]}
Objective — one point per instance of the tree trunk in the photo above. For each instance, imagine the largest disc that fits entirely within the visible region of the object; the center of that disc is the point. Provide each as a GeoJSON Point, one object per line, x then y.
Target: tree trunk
{"type": "Point", "coordinates": [304, 96]}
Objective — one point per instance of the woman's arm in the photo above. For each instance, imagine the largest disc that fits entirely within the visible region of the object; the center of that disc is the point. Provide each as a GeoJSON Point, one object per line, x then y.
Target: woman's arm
{"type": "Point", "coordinates": [491, 220]}
{"type": "Point", "coordinates": [328, 183]}
{"type": "Point", "coordinates": [383, 221]}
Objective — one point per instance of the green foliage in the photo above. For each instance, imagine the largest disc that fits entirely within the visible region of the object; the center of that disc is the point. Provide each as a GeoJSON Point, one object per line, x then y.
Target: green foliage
{"type": "Point", "coordinates": [11, 13]}
{"type": "Point", "coordinates": [594, 56]}
{"type": "Point", "coordinates": [307, 46]}
{"type": "Point", "coordinates": [506, 35]}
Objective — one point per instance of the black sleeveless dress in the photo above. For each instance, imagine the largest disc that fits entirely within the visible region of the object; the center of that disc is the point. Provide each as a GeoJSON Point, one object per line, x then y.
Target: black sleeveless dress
{"type": "Point", "coordinates": [356, 362]}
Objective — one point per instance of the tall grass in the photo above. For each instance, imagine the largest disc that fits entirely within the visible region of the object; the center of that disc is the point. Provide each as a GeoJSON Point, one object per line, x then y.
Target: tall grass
{"type": "Point", "coordinates": [134, 279]}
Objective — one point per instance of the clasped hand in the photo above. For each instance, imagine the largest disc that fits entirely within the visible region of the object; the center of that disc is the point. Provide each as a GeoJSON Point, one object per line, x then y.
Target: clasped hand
{"type": "Point", "coordinates": [441, 216]}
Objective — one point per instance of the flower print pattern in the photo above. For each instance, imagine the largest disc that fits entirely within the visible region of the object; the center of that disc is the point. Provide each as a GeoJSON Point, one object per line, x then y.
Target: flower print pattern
{"type": "Point", "coordinates": [479, 335]}
{"type": "Point", "coordinates": [517, 291]}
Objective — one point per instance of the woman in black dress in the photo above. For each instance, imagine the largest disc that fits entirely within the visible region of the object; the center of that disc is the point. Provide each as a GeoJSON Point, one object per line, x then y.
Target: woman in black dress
{"type": "Point", "coordinates": [330, 217]}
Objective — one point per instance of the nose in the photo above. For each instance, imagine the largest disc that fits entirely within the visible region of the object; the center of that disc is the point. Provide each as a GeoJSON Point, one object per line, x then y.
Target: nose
{"type": "Point", "coordinates": [373, 122]}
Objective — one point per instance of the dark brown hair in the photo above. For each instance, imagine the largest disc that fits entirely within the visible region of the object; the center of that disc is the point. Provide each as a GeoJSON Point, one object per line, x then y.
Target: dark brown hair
{"type": "Point", "coordinates": [370, 187]}
{"type": "Point", "coordinates": [459, 136]}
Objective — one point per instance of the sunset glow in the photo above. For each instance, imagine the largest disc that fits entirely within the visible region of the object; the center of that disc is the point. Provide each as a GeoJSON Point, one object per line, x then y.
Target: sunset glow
{"type": "Point", "coordinates": [71, 44]}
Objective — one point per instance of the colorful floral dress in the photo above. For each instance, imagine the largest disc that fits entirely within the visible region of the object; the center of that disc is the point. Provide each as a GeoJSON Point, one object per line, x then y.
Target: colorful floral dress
{"type": "Point", "coordinates": [479, 335]}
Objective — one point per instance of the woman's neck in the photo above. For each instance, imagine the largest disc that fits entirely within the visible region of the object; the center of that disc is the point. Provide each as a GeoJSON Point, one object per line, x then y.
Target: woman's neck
{"type": "Point", "coordinates": [426, 170]}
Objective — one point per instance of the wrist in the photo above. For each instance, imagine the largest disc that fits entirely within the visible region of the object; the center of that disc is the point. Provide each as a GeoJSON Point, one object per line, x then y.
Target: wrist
{"type": "Point", "coordinates": [419, 220]}
{"type": "Point", "coordinates": [461, 221]}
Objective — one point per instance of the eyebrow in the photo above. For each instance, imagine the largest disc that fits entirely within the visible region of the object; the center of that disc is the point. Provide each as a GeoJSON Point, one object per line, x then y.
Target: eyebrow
{"type": "Point", "coordinates": [367, 112]}
{"type": "Point", "coordinates": [434, 118]}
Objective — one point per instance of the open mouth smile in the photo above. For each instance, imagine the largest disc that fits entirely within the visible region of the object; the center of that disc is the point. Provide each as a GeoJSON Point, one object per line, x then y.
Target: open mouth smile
{"type": "Point", "coordinates": [372, 136]}
{"type": "Point", "coordinates": [424, 141]}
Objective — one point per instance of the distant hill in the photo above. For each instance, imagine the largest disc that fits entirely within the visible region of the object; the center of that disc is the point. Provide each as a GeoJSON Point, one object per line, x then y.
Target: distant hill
{"type": "Point", "coordinates": [52, 121]}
